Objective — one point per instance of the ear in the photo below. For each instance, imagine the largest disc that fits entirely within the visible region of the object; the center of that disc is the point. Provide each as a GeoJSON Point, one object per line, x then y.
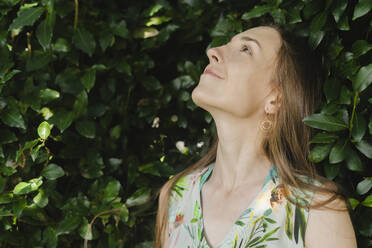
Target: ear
{"type": "Point", "coordinates": [273, 102]}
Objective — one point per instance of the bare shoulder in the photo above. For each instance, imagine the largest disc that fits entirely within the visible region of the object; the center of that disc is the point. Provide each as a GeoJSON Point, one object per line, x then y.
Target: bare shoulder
{"type": "Point", "coordinates": [328, 227]}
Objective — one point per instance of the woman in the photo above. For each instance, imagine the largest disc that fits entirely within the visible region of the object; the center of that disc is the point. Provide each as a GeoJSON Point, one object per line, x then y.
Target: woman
{"type": "Point", "coordinates": [255, 187]}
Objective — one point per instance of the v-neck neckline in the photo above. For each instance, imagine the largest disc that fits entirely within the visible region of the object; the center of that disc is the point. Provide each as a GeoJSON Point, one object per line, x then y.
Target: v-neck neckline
{"type": "Point", "coordinates": [203, 177]}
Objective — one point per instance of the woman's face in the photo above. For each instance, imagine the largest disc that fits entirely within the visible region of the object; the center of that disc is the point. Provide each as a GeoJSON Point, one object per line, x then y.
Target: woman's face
{"type": "Point", "coordinates": [244, 67]}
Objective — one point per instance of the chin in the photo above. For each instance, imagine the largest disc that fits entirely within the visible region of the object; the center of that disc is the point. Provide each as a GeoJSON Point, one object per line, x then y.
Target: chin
{"type": "Point", "coordinates": [201, 100]}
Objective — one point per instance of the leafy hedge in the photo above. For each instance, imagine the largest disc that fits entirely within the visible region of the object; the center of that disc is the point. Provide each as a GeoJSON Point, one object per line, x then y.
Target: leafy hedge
{"type": "Point", "coordinates": [96, 111]}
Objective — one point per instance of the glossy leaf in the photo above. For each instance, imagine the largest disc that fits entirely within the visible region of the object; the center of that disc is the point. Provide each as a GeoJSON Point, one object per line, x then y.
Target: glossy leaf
{"type": "Point", "coordinates": [367, 201]}
{"type": "Point", "coordinates": [362, 8]}
{"type": "Point", "coordinates": [319, 152]}
{"type": "Point", "coordinates": [86, 128]}
{"type": "Point", "coordinates": [363, 78]}
{"type": "Point", "coordinates": [364, 186]}
{"type": "Point", "coordinates": [52, 172]}
{"type": "Point", "coordinates": [62, 119]}
{"type": "Point", "coordinates": [44, 130]}
{"type": "Point", "coordinates": [324, 122]}
{"type": "Point", "coordinates": [360, 47]}
{"type": "Point", "coordinates": [353, 162]}
{"type": "Point", "coordinates": [331, 171]}
{"type": "Point", "coordinates": [44, 33]}
{"type": "Point", "coordinates": [12, 118]}
{"type": "Point", "coordinates": [84, 41]}
{"type": "Point", "coordinates": [339, 9]}
{"type": "Point", "coordinates": [339, 151]}
{"type": "Point", "coordinates": [26, 17]}
{"type": "Point", "coordinates": [89, 79]}
{"type": "Point", "coordinates": [359, 127]}
{"type": "Point", "coordinates": [257, 11]}
{"type": "Point", "coordinates": [41, 199]}
{"type": "Point", "coordinates": [140, 197]}
{"type": "Point", "coordinates": [365, 148]}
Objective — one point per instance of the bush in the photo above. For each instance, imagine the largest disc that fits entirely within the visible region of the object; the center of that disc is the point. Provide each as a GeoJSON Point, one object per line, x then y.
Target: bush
{"type": "Point", "coordinates": [95, 95]}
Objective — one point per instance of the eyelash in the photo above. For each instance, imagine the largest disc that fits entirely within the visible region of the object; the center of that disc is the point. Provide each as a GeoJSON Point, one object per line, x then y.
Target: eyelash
{"type": "Point", "coordinates": [247, 48]}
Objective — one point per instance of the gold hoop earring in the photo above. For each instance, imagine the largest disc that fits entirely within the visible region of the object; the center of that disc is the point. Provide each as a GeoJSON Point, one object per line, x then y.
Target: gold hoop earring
{"type": "Point", "coordinates": [266, 124]}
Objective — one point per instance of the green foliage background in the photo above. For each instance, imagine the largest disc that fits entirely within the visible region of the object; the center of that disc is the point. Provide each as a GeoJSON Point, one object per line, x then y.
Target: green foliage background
{"type": "Point", "coordinates": [94, 96]}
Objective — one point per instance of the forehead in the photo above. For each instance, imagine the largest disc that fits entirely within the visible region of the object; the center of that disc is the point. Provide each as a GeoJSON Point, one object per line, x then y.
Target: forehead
{"type": "Point", "coordinates": [269, 38]}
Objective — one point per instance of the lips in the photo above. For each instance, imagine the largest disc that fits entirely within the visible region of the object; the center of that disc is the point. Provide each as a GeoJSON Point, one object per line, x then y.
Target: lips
{"type": "Point", "coordinates": [210, 72]}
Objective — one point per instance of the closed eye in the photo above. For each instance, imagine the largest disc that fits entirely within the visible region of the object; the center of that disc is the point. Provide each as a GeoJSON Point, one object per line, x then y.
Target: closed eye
{"type": "Point", "coordinates": [246, 49]}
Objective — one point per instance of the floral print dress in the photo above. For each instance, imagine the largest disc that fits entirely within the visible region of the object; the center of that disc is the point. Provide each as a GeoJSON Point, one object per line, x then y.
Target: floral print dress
{"type": "Point", "coordinates": [270, 220]}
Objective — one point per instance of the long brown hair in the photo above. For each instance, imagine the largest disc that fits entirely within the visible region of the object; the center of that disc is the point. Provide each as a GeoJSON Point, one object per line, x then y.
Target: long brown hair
{"type": "Point", "coordinates": [288, 143]}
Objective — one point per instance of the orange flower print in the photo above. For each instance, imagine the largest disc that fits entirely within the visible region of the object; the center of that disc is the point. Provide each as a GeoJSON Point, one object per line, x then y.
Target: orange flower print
{"type": "Point", "coordinates": [179, 219]}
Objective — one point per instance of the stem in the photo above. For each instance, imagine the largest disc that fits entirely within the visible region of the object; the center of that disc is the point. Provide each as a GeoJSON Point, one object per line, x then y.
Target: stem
{"type": "Point", "coordinates": [353, 113]}
{"type": "Point", "coordinates": [28, 44]}
{"type": "Point", "coordinates": [95, 217]}
{"type": "Point", "coordinates": [76, 13]}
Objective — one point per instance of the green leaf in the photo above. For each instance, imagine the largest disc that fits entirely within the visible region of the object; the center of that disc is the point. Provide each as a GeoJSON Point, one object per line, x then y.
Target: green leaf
{"type": "Point", "coordinates": [68, 224]}
{"type": "Point", "coordinates": [318, 22]}
{"type": "Point", "coordinates": [339, 151]}
{"type": "Point", "coordinates": [331, 171]}
{"type": "Point", "coordinates": [343, 24]}
{"type": "Point", "coordinates": [80, 104]}
{"type": "Point", "coordinates": [311, 8]}
{"type": "Point", "coordinates": [353, 161]}
{"type": "Point", "coordinates": [39, 60]}
{"type": "Point", "coordinates": [324, 138]}
{"type": "Point", "coordinates": [319, 152]}
{"type": "Point", "coordinates": [140, 197]}
{"type": "Point", "coordinates": [120, 29]}
{"type": "Point", "coordinates": [18, 206]}
{"type": "Point", "coordinates": [50, 238]}
{"type": "Point", "coordinates": [84, 41]}
{"type": "Point", "coordinates": [6, 197]}
{"type": "Point", "coordinates": [62, 119]}
{"type": "Point", "coordinates": [85, 230]}
{"type": "Point", "coordinates": [86, 128]}
{"type": "Point", "coordinates": [334, 49]}
{"type": "Point", "coordinates": [353, 202]}
{"type": "Point", "coordinates": [26, 17]}
{"type": "Point", "coordinates": [89, 79]}
{"type": "Point", "coordinates": [278, 16]}
{"type": "Point", "coordinates": [111, 190]}
{"type": "Point", "coordinates": [362, 8]}
{"type": "Point", "coordinates": [41, 199]}
{"type": "Point", "coordinates": [44, 33]}
{"type": "Point", "coordinates": [48, 95]}
{"type": "Point", "coordinates": [363, 78]}
{"type": "Point", "coordinates": [27, 187]}
{"type": "Point", "coordinates": [257, 11]}
{"type": "Point", "coordinates": [7, 136]}
{"type": "Point", "coordinates": [324, 122]}
{"type": "Point", "coordinates": [360, 47]}
{"type": "Point", "coordinates": [339, 9]}
{"type": "Point", "coordinates": [294, 14]}
{"type": "Point", "coordinates": [146, 32]}
{"type": "Point", "coordinates": [22, 188]}
{"type": "Point", "coordinates": [364, 186]}
{"type": "Point", "coordinates": [359, 127]}
{"type": "Point", "coordinates": [52, 172]}
{"type": "Point", "coordinates": [365, 148]}
{"type": "Point", "coordinates": [43, 130]}
{"type": "Point", "coordinates": [367, 201]}
{"type": "Point", "coordinates": [315, 38]}
{"type": "Point", "coordinates": [12, 118]}
{"type": "Point", "coordinates": [8, 76]}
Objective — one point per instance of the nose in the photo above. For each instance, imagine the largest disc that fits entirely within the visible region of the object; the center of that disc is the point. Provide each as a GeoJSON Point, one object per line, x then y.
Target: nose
{"type": "Point", "coordinates": [214, 55]}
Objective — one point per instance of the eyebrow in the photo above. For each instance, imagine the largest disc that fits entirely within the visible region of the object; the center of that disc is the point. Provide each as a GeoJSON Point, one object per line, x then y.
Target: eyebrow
{"type": "Point", "coordinates": [247, 38]}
